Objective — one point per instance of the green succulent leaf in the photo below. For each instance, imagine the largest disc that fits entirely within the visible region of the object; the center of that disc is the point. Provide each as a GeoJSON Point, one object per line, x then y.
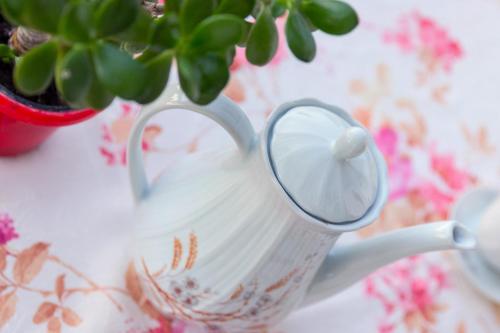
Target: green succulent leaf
{"type": "Point", "coordinates": [98, 97]}
{"type": "Point", "coordinates": [278, 9]}
{"type": "Point", "coordinates": [34, 71]}
{"type": "Point", "coordinates": [76, 23]}
{"type": "Point", "coordinates": [331, 16]}
{"type": "Point", "coordinates": [247, 26]}
{"type": "Point", "coordinates": [140, 31]}
{"type": "Point", "coordinates": [217, 32]}
{"type": "Point", "coordinates": [91, 38]}
{"type": "Point", "coordinates": [299, 37]}
{"type": "Point", "coordinates": [241, 8]}
{"type": "Point", "coordinates": [173, 6]}
{"type": "Point", "coordinates": [133, 48]}
{"type": "Point", "coordinates": [203, 78]}
{"type": "Point", "coordinates": [189, 77]}
{"type": "Point", "coordinates": [43, 15]}
{"type": "Point", "coordinates": [115, 16]}
{"type": "Point", "coordinates": [13, 10]}
{"type": "Point", "coordinates": [193, 12]}
{"type": "Point", "coordinates": [310, 24]}
{"type": "Point", "coordinates": [157, 74]}
{"type": "Point", "coordinates": [166, 31]}
{"type": "Point", "coordinates": [73, 74]}
{"type": "Point", "coordinates": [6, 54]}
{"type": "Point", "coordinates": [263, 39]}
{"type": "Point", "coordinates": [229, 56]}
{"type": "Point", "coordinates": [118, 71]}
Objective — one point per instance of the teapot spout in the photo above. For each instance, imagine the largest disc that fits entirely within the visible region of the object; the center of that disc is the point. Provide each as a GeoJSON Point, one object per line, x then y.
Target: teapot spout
{"type": "Point", "coordinates": [346, 265]}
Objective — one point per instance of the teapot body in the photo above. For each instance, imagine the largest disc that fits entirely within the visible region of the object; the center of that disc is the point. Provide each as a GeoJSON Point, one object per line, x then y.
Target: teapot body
{"type": "Point", "coordinates": [217, 244]}
{"type": "Point", "coordinates": [236, 240]}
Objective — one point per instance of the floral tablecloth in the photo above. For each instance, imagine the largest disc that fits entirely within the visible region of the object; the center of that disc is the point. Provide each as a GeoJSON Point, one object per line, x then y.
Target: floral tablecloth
{"type": "Point", "coordinates": [423, 76]}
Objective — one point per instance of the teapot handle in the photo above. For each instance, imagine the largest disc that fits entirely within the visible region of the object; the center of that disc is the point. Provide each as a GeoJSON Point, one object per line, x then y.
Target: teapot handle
{"type": "Point", "coordinates": [223, 111]}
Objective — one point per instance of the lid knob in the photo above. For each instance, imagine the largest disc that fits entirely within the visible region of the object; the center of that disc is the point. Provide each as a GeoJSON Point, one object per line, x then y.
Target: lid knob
{"type": "Point", "coordinates": [350, 144]}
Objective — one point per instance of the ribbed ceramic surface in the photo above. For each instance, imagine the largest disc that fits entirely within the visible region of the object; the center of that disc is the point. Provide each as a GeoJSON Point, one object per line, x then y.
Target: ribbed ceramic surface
{"type": "Point", "coordinates": [325, 186]}
{"type": "Point", "coordinates": [217, 242]}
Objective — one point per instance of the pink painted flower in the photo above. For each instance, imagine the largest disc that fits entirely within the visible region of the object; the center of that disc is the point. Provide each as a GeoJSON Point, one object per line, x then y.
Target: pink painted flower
{"type": "Point", "coordinates": [417, 198]}
{"type": "Point", "coordinates": [438, 275]}
{"type": "Point", "coordinates": [444, 165]}
{"type": "Point", "coordinates": [387, 141]}
{"type": "Point", "coordinates": [401, 36]}
{"type": "Point", "coordinates": [420, 293]}
{"type": "Point", "coordinates": [400, 166]}
{"type": "Point", "coordinates": [437, 41]}
{"type": "Point", "coordinates": [115, 136]}
{"type": "Point", "coordinates": [178, 326]}
{"type": "Point", "coordinates": [420, 34]}
{"type": "Point", "coordinates": [7, 231]}
{"type": "Point", "coordinates": [437, 198]}
{"type": "Point", "coordinates": [164, 326]}
{"type": "Point", "coordinates": [239, 60]}
{"type": "Point", "coordinates": [385, 328]}
{"type": "Point", "coordinates": [400, 174]}
{"type": "Point", "coordinates": [409, 292]}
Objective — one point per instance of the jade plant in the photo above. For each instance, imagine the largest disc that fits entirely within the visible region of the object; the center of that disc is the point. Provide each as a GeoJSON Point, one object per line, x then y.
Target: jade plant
{"type": "Point", "coordinates": [96, 50]}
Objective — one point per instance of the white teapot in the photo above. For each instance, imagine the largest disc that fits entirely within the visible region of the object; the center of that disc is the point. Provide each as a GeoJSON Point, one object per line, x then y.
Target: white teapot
{"type": "Point", "coordinates": [237, 240]}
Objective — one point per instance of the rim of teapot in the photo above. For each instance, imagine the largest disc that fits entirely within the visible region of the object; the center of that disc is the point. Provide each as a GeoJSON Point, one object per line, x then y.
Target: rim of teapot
{"type": "Point", "coordinates": [382, 174]}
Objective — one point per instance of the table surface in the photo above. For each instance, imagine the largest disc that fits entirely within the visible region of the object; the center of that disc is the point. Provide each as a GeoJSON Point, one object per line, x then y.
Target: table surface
{"type": "Point", "coordinates": [422, 76]}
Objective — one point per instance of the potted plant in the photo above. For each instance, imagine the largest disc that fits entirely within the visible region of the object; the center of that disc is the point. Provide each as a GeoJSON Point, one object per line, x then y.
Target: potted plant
{"type": "Point", "coordinates": [63, 59]}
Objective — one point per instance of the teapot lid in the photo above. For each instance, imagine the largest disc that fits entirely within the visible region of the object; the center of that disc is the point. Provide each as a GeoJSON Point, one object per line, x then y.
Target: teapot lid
{"type": "Point", "coordinates": [324, 161]}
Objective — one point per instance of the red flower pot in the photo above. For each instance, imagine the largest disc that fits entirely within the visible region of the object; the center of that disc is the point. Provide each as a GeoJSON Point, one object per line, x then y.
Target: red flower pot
{"type": "Point", "coordinates": [24, 125]}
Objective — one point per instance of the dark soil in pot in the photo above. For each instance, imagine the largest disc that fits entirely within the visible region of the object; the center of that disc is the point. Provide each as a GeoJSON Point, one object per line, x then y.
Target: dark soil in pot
{"type": "Point", "coordinates": [49, 100]}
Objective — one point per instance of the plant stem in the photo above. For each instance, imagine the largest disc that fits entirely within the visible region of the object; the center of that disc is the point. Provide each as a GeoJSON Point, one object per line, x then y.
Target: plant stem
{"type": "Point", "coordinates": [152, 6]}
{"type": "Point", "coordinates": [23, 39]}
